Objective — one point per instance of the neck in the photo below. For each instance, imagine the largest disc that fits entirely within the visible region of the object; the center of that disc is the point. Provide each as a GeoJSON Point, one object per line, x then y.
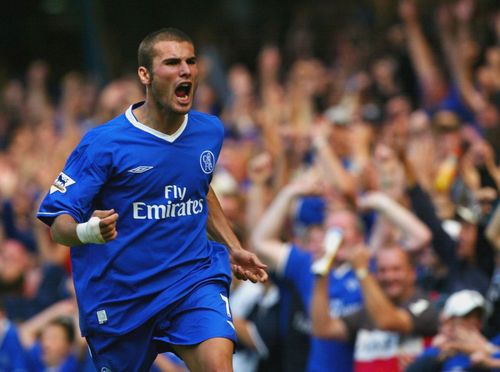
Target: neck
{"type": "Point", "coordinates": [159, 118]}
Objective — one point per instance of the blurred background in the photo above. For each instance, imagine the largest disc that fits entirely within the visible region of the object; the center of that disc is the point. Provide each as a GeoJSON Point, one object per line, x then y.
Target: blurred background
{"type": "Point", "coordinates": [405, 95]}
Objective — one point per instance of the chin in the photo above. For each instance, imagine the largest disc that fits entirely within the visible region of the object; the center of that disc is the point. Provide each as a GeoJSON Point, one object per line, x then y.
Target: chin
{"type": "Point", "coordinates": [182, 110]}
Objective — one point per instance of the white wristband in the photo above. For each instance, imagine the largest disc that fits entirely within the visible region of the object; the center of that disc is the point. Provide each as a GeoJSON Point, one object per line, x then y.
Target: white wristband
{"type": "Point", "coordinates": [89, 232]}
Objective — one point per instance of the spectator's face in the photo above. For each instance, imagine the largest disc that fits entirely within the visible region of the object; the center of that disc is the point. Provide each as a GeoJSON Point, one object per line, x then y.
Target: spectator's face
{"type": "Point", "coordinates": [313, 241]}
{"type": "Point", "coordinates": [55, 345]}
{"type": "Point", "coordinates": [398, 110]}
{"type": "Point", "coordinates": [173, 77]}
{"type": "Point", "coordinates": [340, 139]}
{"type": "Point", "coordinates": [470, 321]}
{"type": "Point", "coordinates": [395, 274]}
{"type": "Point", "coordinates": [240, 81]}
{"type": "Point", "coordinates": [14, 261]}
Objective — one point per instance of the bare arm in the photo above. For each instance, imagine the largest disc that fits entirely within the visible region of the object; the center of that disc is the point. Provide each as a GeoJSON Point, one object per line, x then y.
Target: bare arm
{"type": "Point", "coordinates": [323, 325]}
{"type": "Point", "coordinates": [417, 232]}
{"type": "Point", "coordinates": [63, 229]}
{"type": "Point", "coordinates": [245, 264]}
{"type": "Point", "coordinates": [429, 76]}
{"type": "Point", "coordinates": [383, 312]}
{"type": "Point", "coordinates": [454, 44]}
{"type": "Point", "coordinates": [335, 173]}
{"type": "Point", "coordinates": [266, 235]}
{"type": "Point", "coordinates": [218, 226]}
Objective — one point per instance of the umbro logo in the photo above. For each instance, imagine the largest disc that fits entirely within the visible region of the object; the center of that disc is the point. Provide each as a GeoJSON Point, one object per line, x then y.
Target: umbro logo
{"type": "Point", "coordinates": [140, 169]}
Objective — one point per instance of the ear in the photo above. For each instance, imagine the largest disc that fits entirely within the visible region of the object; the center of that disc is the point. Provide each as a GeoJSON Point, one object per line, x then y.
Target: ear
{"type": "Point", "coordinates": [144, 75]}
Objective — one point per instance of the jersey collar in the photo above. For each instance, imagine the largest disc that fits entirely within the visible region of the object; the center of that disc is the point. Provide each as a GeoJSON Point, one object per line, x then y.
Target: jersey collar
{"type": "Point", "coordinates": [167, 137]}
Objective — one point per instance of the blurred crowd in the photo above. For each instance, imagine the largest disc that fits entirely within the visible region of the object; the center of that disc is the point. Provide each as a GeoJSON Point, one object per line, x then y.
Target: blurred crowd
{"type": "Point", "coordinates": [386, 156]}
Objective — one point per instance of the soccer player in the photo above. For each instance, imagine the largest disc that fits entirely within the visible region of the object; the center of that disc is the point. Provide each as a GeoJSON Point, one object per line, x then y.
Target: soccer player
{"type": "Point", "coordinates": [135, 204]}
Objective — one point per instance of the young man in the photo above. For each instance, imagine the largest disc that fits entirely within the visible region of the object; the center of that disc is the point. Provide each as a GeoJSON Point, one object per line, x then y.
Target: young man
{"type": "Point", "coordinates": [136, 195]}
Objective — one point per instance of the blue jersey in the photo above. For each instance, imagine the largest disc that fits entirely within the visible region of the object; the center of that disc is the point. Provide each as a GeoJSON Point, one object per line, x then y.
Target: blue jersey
{"type": "Point", "coordinates": [12, 354]}
{"type": "Point", "coordinates": [345, 298]}
{"type": "Point", "coordinates": [158, 184]}
{"type": "Point", "coordinates": [459, 361]}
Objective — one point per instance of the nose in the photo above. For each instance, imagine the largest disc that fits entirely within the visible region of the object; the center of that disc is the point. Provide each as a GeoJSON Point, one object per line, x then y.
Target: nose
{"type": "Point", "coordinates": [185, 69]}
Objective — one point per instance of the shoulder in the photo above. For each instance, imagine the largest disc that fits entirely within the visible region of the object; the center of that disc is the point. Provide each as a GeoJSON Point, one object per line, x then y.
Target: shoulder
{"type": "Point", "coordinates": [103, 137]}
{"type": "Point", "coordinates": [420, 304]}
{"type": "Point", "coordinates": [105, 131]}
{"type": "Point", "coordinates": [207, 119]}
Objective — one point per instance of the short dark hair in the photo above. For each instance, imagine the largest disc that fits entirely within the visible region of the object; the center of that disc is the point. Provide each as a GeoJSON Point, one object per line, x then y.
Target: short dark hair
{"type": "Point", "coordinates": [145, 50]}
{"type": "Point", "coordinates": [67, 324]}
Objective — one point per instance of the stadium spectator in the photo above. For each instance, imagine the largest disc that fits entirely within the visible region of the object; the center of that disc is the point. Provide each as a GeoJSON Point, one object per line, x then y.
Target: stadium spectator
{"type": "Point", "coordinates": [396, 321]}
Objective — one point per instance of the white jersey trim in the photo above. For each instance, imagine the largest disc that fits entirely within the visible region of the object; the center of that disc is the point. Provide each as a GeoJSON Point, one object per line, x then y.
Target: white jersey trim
{"type": "Point", "coordinates": [167, 137]}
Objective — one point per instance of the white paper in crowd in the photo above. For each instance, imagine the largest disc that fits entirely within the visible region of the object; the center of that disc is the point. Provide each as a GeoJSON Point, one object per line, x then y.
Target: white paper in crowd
{"type": "Point", "coordinates": [331, 243]}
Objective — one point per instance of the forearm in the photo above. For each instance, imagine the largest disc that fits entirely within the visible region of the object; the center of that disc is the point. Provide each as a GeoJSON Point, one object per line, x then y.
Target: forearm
{"type": "Point", "coordinates": [421, 56]}
{"type": "Point", "coordinates": [334, 171]}
{"type": "Point", "coordinates": [243, 332]}
{"type": "Point", "coordinates": [380, 234]}
{"type": "Point", "coordinates": [273, 220]}
{"type": "Point", "coordinates": [323, 325]}
{"type": "Point", "coordinates": [382, 311]}
{"type": "Point", "coordinates": [29, 329]}
{"type": "Point", "coordinates": [320, 316]}
{"type": "Point", "coordinates": [405, 220]}
{"type": "Point", "coordinates": [218, 226]}
{"type": "Point", "coordinates": [63, 231]}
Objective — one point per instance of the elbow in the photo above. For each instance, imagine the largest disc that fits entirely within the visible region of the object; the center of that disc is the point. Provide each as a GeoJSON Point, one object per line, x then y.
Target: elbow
{"type": "Point", "coordinates": [387, 324]}
{"type": "Point", "coordinates": [384, 323]}
{"type": "Point", "coordinates": [319, 330]}
{"type": "Point", "coordinates": [424, 239]}
{"type": "Point", "coordinates": [420, 240]}
{"type": "Point", "coordinates": [54, 234]}
{"type": "Point", "coordinates": [391, 324]}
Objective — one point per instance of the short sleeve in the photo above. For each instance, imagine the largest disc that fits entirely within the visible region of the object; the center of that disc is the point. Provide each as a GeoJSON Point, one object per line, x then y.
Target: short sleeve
{"type": "Point", "coordinates": [353, 322]}
{"type": "Point", "coordinates": [75, 188]}
{"type": "Point", "coordinates": [425, 317]}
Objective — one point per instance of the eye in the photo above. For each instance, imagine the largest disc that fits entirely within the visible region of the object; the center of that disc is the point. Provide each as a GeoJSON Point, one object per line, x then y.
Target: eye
{"type": "Point", "coordinates": [171, 62]}
{"type": "Point", "coordinates": [191, 61]}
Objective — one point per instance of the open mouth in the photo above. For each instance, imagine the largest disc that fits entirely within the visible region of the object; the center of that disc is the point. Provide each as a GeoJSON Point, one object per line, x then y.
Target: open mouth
{"type": "Point", "coordinates": [183, 90]}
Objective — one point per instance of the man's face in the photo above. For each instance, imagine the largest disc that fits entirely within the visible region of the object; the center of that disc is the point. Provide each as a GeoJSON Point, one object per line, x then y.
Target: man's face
{"type": "Point", "coordinates": [173, 76]}
{"type": "Point", "coordinates": [55, 346]}
{"type": "Point", "coordinates": [394, 273]}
